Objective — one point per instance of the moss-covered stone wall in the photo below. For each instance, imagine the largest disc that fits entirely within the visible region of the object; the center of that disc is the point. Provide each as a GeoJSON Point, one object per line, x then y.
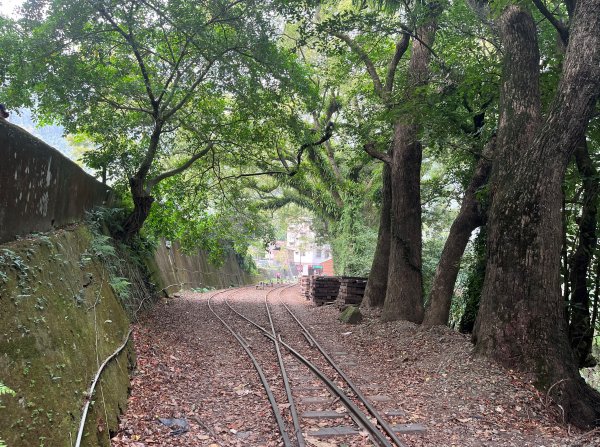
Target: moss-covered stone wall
{"type": "Point", "coordinates": [59, 319]}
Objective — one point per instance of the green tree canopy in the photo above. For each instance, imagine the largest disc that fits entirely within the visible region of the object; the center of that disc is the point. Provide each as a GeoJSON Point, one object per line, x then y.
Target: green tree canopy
{"type": "Point", "coordinates": [156, 85]}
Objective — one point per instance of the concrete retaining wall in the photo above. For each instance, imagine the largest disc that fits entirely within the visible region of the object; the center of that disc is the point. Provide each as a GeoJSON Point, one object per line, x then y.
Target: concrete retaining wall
{"type": "Point", "coordinates": [180, 271]}
{"type": "Point", "coordinates": [41, 189]}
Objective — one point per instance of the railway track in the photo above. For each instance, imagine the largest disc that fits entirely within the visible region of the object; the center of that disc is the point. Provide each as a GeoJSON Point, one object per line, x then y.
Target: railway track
{"type": "Point", "coordinates": [293, 367]}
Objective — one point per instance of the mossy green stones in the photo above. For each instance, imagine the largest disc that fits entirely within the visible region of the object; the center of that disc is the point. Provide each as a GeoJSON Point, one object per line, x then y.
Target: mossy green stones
{"type": "Point", "coordinates": [351, 315]}
{"type": "Point", "coordinates": [51, 365]}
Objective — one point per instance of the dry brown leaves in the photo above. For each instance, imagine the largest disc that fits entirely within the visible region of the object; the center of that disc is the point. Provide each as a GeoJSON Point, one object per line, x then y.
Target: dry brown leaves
{"type": "Point", "coordinates": [189, 367]}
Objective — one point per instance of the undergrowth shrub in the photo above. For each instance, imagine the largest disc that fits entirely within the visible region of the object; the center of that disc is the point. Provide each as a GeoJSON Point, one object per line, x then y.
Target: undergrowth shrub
{"type": "Point", "coordinates": [126, 263]}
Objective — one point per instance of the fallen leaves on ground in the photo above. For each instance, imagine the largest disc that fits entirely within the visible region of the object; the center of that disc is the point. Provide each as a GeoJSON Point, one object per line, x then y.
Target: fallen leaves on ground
{"type": "Point", "coordinates": [189, 367]}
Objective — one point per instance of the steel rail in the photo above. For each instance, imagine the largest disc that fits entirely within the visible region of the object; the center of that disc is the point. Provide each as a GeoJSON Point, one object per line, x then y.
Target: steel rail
{"type": "Point", "coordinates": [380, 437]}
{"type": "Point", "coordinates": [259, 370]}
{"type": "Point", "coordinates": [382, 422]}
{"type": "Point", "coordinates": [312, 345]}
{"type": "Point", "coordinates": [309, 341]}
{"type": "Point", "coordinates": [284, 377]}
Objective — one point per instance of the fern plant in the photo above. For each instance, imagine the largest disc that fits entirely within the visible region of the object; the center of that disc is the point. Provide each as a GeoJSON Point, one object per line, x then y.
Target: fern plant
{"type": "Point", "coordinates": [5, 390]}
{"type": "Point", "coordinates": [102, 247]}
{"type": "Point", "coordinates": [120, 286]}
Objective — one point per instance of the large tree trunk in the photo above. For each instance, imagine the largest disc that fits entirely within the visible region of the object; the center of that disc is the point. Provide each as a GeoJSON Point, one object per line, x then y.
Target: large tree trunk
{"type": "Point", "coordinates": [581, 332]}
{"type": "Point", "coordinates": [521, 319]}
{"type": "Point", "coordinates": [404, 295]}
{"type": "Point", "coordinates": [469, 218]}
{"type": "Point", "coordinates": [564, 257]}
{"type": "Point", "coordinates": [142, 203]}
{"type": "Point", "coordinates": [377, 284]}
{"type": "Point", "coordinates": [596, 294]}
{"type": "Point", "coordinates": [140, 187]}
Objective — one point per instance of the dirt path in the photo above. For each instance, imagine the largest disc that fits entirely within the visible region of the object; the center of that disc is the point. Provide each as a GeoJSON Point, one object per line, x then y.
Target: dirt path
{"type": "Point", "coordinates": [190, 367]}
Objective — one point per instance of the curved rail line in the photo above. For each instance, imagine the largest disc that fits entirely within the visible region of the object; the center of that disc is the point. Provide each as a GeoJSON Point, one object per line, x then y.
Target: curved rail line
{"type": "Point", "coordinates": [309, 340]}
{"type": "Point", "coordinates": [276, 412]}
{"type": "Point", "coordinates": [382, 422]}
{"type": "Point", "coordinates": [358, 414]}
{"type": "Point", "coordinates": [286, 382]}
{"type": "Point", "coordinates": [355, 412]}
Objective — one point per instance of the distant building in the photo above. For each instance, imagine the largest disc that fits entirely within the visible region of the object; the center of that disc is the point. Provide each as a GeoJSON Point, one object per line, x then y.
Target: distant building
{"type": "Point", "coordinates": [308, 256]}
{"type": "Point", "coordinates": [299, 254]}
{"type": "Point", "coordinates": [328, 269]}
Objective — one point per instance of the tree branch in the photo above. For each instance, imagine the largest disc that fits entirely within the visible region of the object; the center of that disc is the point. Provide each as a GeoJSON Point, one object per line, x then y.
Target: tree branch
{"type": "Point", "coordinates": [369, 148]}
{"type": "Point", "coordinates": [274, 203]}
{"type": "Point", "coordinates": [356, 48]}
{"type": "Point", "coordinates": [326, 136]}
{"type": "Point", "coordinates": [333, 107]}
{"type": "Point", "coordinates": [282, 159]}
{"type": "Point", "coordinates": [119, 106]}
{"type": "Point", "coordinates": [252, 174]}
{"type": "Point", "coordinates": [133, 44]}
{"type": "Point", "coordinates": [175, 73]}
{"type": "Point", "coordinates": [563, 32]}
{"type": "Point", "coordinates": [191, 89]}
{"type": "Point", "coordinates": [155, 180]}
{"type": "Point", "coordinates": [401, 47]}
{"type": "Point", "coordinates": [422, 42]}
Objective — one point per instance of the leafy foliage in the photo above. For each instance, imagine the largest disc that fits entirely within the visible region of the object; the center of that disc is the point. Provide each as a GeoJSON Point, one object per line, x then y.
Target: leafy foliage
{"type": "Point", "coordinates": [470, 284]}
{"type": "Point", "coordinates": [208, 104]}
{"type": "Point", "coordinates": [157, 86]}
{"type": "Point", "coordinates": [102, 247]}
{"type": "Point", "coordinates": [4, 390]}
{"type": "Point", "coordinates": [120, 286]}
{"type": "Point", "coordinates": [216, 219]}
{"type": "Point", "coordinates": [353, 240]}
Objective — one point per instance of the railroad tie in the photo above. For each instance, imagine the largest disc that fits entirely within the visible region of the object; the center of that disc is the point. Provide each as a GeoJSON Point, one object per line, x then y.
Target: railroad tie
{"type": "Point", "coordinates": [331, 432]}
{"type": "Point", "coordinates": [323, 415]}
